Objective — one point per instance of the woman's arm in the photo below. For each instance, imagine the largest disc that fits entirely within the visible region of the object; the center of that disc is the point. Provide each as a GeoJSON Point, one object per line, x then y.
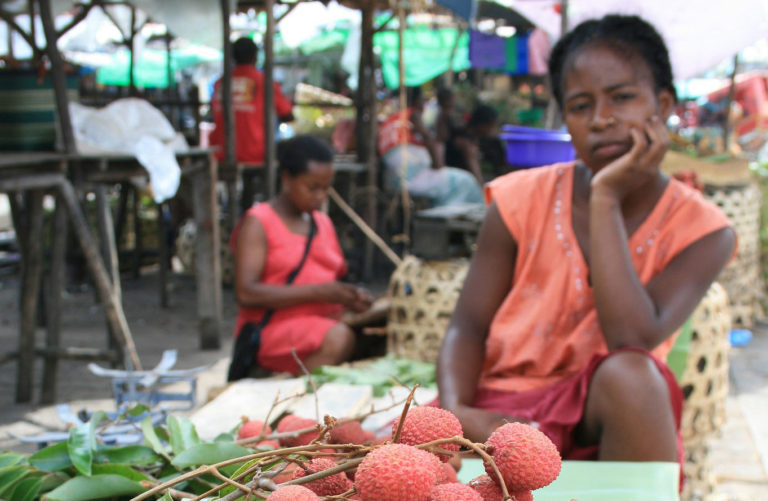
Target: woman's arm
{"type": "Point", "coordinates": [630, 313]}
{"type": "Point", "coordinates": [471, 154]}
{"type": "Point", "coordinates": [250, 256]}
{"type": "Point", "coordinates": [463, 351]}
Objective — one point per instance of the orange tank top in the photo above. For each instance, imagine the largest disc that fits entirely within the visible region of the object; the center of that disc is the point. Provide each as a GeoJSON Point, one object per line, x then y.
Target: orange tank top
{"type": "Point", "coordinates": [397, 129]}
{"type": "Point", "coordinates": [546, 328]}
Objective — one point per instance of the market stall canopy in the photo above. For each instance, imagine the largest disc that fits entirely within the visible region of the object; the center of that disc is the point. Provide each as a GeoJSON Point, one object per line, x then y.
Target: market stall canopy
{"type": "Point", "coordinates": [699, 33]}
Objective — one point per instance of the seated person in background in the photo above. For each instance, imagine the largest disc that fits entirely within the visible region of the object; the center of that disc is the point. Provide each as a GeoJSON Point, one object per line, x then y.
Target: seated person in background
{"type": "Point", "coordinates": [403, 139]}
{"type": "Point", "coordinates": [445, 121]}
{"type": "Point", "coordinates": [585, 270]}
{"type": "Point", "coordinates": [268, 244]}
{"type": "Point", "coordinates": [248, 106]}
{"type": "Point", "coordinates": [464, 147]}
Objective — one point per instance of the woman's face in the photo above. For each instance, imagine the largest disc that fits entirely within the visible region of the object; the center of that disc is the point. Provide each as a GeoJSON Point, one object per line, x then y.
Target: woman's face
{"type": "Point", "coordinates": [308, 190]}
{"type": "Point", "coordinates": [605, 94]}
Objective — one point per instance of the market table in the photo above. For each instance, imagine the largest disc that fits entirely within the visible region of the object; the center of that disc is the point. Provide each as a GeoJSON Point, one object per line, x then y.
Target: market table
{"type": "Point", "coordinates": [199, 167]}
{"type": "Point", "coordinates": [26, 177]}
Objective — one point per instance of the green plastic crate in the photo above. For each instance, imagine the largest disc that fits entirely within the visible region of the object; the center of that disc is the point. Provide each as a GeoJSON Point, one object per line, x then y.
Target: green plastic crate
{"type": "Point", "coordinates": [601, 481]}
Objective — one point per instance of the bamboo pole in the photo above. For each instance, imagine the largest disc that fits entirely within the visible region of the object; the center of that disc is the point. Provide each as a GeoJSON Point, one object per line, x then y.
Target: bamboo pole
{"type": "Point", "coordinates": [404, 197]}
{"type": "Point", "coordinates": [367, 230]}
{"type": "Point", "coordinates": [731, 94]}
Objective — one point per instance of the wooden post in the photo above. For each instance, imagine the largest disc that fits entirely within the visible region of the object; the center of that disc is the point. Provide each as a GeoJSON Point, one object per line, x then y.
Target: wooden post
{"type": "Point", "coordinates": [31, 272]}
{"type": "Point", "coordinates": [132, 60]}
{"type": "Point", "coordinates": [207, 266]}
{"type": "Point", "coordinates": [55, 286]}
{"type": "Point", "coordinates": [728, 103]}
{"type": "Point", "coordinates": [108, 251]}
{"type": "Point", "coordinates": [57, 76]}
{"type": "Point", "coordinates": [366, 127]}
{"type": "Point", "coordinates": [405, 199]}
{"type": "Point", "coordinates": [162, 254]}
{"type": "Point", "coordinates": [269, 100]}
{"type": "Point", "coordinates": [229, 168]}
{"type": "Point", "coordinates": [138, 234]}
{"type": "Point", "coordinates": [112, 306]}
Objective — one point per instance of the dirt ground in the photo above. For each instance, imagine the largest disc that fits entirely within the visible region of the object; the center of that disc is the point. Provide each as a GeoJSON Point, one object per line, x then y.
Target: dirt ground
{"type": "Point", "coordinates": [739, 456]}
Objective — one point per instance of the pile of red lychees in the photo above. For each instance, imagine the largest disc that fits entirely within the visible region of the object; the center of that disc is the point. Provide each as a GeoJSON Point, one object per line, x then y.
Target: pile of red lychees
{"type": "Point", "coordinates": [525, 458]}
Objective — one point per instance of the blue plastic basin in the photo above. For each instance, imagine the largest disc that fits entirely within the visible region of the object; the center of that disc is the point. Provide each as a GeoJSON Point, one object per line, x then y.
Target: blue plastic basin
{"type": "Point", "coordinates": [532, 149]}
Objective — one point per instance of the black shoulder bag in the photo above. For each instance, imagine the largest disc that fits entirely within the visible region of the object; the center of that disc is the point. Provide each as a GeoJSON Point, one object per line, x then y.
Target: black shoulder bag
{"type": "Point", "coordinates": [248, 342]}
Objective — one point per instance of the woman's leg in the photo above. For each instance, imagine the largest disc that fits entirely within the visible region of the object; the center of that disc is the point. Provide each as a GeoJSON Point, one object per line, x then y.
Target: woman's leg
{"type": "Point", "coordinates": [628, 411]}
{"type": "Point", "coordinates": [338, 346]}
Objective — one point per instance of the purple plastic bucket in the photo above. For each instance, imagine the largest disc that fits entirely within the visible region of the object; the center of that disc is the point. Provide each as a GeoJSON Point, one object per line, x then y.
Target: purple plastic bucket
{"type": "Point", "coordinates": [534, 149]}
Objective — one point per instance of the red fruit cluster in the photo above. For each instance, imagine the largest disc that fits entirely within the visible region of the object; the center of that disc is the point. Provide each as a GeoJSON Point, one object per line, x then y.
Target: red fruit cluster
{"type": "Point", "coordinates": [293, 493]}
{"type": "Point", "coordinates": [350, 432]}
{"type": "Point", "coordinates": [331, 485]}
{"type": "Point", "coordinates": [293, 423]}
{"type": "Point", "coordinates": [454, 492]}
{"type": "Point", "coordinates": [490, 491]}
{"type": "Point", "coordinates": [397, 472]}
{"type": "Point", "coordinates": [526, 458]}
{"type": "Point", "coordinates": [253, 429]}
{"type": "Point", "coordinates": [425, 424]}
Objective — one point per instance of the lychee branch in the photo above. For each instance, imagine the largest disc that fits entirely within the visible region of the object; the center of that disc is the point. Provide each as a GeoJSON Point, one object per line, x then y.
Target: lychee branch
{"type": "Point", "coordinates": [396, 436]}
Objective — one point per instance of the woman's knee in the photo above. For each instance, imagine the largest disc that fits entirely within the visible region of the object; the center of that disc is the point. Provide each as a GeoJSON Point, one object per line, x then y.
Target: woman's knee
{"type": "Point", "coordinates": [629, 375]}
{"type": "Point", "coordinates": [340, 341]}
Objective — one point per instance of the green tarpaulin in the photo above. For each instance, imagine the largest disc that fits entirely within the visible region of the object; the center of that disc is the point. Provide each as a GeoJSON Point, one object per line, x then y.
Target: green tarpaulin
{"type": "Point", "coordinates": [151, 70]}
{"type": "Point", "coordinates": [427, 54]}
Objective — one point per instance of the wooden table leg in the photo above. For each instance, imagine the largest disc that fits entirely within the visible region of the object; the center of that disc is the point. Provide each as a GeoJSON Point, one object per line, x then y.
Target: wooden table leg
{"type": "Point", "coordinates": [162, 254]}
{"type": "Point", "coordinates": [53, 305]}
{"type": "Point", "coordinates": [31, 273]}
{"type": "Point", "coordinates": [109, 255]}
{"type": "Point", "coordinates": [207, 265]}
{"type": "Point", "coordinates": [138, 237]}
{"type": "Point", "coordinates": [112, 306]}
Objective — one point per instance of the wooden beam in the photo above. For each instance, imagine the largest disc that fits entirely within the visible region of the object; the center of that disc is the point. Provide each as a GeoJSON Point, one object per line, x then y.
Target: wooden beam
{"type": "Point", "coordinates": [14, 26]}
{"type": "Point", "coordinates": [82, 13]}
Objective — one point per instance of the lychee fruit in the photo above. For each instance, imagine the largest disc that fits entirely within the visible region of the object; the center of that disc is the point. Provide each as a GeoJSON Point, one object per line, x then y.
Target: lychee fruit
{"type": "Point", "coordinates": [454, 492]}
{"type": "Point", "coordinates": [447, 474]}
{"type": "Point", "coordinates": [527, 459]}
{"type": "Point", "coordinates": [292, 423]}
{"type": "Point", "coordinates": [522, 496]}
{"type": "Point", "coordinates": [253, 429]}
{"type": "Point", "coordinates": [487, 488]}
{"type": "Point", "coordinates": [268, 443]}
{"type": "Point", "coordinates": [396, 472]}
{"type": "Point", "coordinates": [332, 485]}
{"type": "Point", "coordinates": [425, 424]}
{"type": "Point", "coordinates": [350, 433]}
{"type": "Point", "coordinates": [293, 493]}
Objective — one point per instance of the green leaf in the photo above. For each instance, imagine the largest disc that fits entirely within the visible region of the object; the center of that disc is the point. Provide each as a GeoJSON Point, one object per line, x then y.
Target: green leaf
{"type": "Point", "coordinates": [151, 437]}
{"type": "Point", "coordinates": [166, 497]}
{"type": "Point", "coordinates": [9, 475]}
{"type": "Point", "coordinates": [209, 454]}
{"type": "Point", "coordinates": [225, 437]}
{"type": "Point", "coordinates": [52, 458]}
{"type": "Point", "coordinates": [119, 469]}
{"type": "Point", "coordinates": [82, 443]}
{"type": "Point", "coordinates": [27, 489]}
{"type": "Point", "coordinates": [137, 410]}
{"type": "Point", "coordinates": [9, 458]}
{"type": "Point", "coordinates": [136, 455]}
{"type": "Point", "coordinates": [182, 433]}
{"type": "Point", "coordinates": [53, 480]}
{"type": "Point", "coordinates": [95, 487]}
{"type": "Point", "coordinates": [162, 434]}
{"type": "Point", "coordinates": [242, 468]}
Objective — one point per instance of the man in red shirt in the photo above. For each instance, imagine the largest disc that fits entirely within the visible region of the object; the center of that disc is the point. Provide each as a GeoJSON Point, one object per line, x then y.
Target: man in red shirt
{"type": "Point", "coordinates": [248, 104]}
